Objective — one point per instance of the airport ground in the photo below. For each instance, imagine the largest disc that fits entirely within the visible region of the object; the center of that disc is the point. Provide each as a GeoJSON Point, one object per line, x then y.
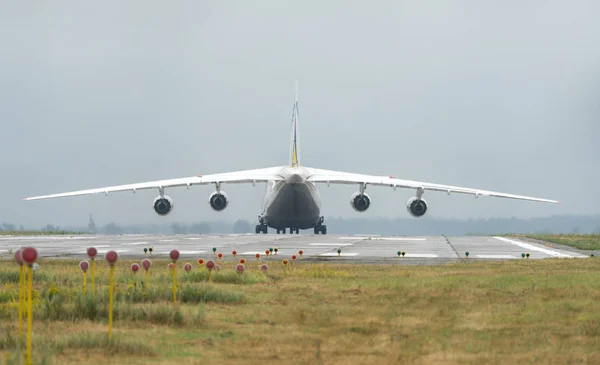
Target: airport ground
{"type": "Point", "coordinates": [322, 309]}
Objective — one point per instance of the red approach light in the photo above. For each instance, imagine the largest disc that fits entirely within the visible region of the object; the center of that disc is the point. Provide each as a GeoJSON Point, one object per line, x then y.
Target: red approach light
{"type": "Point", "coordinates": [83, 265]}
{"type": "Point", "coordinates": [293, 257]}
{"type": "Point", "coordinates": [234, 252]}
{"type": "Point", "coordinates": [285, 261]}
{"type": "Point", "coordinates": [264, 268]}
{"type": "Point", "coordinates": [29, 255]}
{"type": "Point", "coordinates": [146, 264]}
{"type": "Point", "coordinates": [174, 255]}
{"type": "Point", "coordinates": [135, 268]}
{"type": "Point", "coordinates": [111, 257]}
{"type": "Point", "coordinates": [242, 261]}
{"type": "Point", "coordinates": [200, 262]}
{"type": "Point", "coordinates": [210, 264]}
{"type": "Point", "coordinates": [257, 256]}
{"type": "Point", "coordinates": [92, 252]}
{"type": "Point", "coordinates": [267, 252]}
{"type": "Point", "coordinates": [187, 267]}
{"type": "Point", "coordinates": [240, 268]}
{"type": "Point", "coordinates": [171, 266]}
{"type": "Point", "coordinates": [220, 255]}
{"type": "Point", "coordinates": [300, 252]}
{"type": "Point", "coordinates": [19, 257]}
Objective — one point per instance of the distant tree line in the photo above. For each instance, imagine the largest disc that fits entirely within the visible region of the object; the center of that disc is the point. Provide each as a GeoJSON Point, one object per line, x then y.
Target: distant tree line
{"type": "Point", "coordinates": [382, 226]}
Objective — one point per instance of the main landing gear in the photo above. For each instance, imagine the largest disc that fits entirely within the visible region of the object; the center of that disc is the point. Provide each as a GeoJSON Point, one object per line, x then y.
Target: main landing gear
{"type": "Point", "coordinates": [292, 231]}
{"type": "Point", "coordinates": [261, 228]}
{"type": "Point", "coordinates": [320, 227]}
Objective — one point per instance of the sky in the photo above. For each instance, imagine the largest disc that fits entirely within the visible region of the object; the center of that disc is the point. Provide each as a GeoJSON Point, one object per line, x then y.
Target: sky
{"type": "Point", "coordinates": [501, 96]}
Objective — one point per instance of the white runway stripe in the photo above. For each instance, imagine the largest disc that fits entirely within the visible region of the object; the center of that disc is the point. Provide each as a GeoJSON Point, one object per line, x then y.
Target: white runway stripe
{"type": "Point", "coordinates": [496, 256]}
{"type": "Point", "coordinates": [548, 252]}
{"type": "Point", "coordinates": [330, 244]}
{"type": "Point", "coordinates": [336, 254]}
{"type": "Point", "coordinates": [421, 255]}
{"type": "Point", "coordinates": [134, 243]}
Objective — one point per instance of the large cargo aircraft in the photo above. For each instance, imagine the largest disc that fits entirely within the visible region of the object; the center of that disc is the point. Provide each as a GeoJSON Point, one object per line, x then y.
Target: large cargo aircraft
{"type": "Point", "coordinates": [291, 199]}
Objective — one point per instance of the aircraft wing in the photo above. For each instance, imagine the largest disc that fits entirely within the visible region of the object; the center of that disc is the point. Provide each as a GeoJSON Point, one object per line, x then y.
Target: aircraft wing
{"type": "Point", "coordinates": [247, 176]}
{"type": "Point", "coordinates": [338, 177]}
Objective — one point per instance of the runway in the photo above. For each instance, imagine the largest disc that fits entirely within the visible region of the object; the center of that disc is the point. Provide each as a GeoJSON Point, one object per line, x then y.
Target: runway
{"type": "Point", "coordinates": [316, 248]}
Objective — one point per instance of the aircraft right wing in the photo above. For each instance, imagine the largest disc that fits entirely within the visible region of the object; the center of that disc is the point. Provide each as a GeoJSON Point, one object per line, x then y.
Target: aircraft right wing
{"type": "Point", "coordinates": [237, 177]}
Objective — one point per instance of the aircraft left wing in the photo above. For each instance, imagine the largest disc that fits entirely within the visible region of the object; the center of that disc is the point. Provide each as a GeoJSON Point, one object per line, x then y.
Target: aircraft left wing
{"type": "Point", "coordinates": [237, 177]}
{"type": "Point", "coordinates": [338, 177]}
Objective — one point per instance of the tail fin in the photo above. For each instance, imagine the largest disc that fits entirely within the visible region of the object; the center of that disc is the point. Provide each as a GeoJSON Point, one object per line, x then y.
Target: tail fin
{"type": "Point", "coordinates": [295, 152]}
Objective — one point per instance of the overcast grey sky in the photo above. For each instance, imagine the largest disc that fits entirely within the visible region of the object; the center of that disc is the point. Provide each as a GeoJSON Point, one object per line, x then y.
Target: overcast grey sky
{"type": "Point", "coordinates": [494, 95]}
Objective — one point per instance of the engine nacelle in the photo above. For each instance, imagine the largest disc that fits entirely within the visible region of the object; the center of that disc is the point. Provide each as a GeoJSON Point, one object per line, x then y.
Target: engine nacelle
{"type": "Point", "coordinates": [163, 205]}
{"type": "Point", "coordinates": [360, 202]}
{"type": "Point", "coordinates": [416, 207]}
{"type": "Point", "coordinates": [218, 201]}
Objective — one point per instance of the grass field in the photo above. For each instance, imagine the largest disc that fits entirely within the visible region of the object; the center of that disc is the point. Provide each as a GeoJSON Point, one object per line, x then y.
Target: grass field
{"type": "Point", "coordinates": [581, 241]}
{"type": "Point", "coordinates": [513, 312]}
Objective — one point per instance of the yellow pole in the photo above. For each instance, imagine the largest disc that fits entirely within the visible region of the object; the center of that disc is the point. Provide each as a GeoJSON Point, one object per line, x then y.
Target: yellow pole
{"type": "Point", "coordinates": [174, 283]}
{"type": "Point", "coordinates": [84, 282]}
{"type": "Point", "coordinates": [110, 302]}
{"type": "Point", "coordinates": [22, 274]}
{"type": "Point", "coordinates": [93, 282]}
{"type": "Point", "coordinates": [29, 315]}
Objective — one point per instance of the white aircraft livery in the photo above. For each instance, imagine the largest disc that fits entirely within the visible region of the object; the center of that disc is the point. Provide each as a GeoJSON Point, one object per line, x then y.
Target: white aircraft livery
{"type": "Point", "coordinates": [291, 199]}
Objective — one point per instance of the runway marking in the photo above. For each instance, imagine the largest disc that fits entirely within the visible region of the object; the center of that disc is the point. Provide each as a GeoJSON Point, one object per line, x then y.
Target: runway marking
{"type": "Point", "coordinates": [117, 250]}
{"type": "Point", "coordinates": [398, 239]}
{"type": "Point", "coordinates": [539, 249]}
{"type": "Point", "coordinates": [496, 256]}
{"type": "Point", "coordinates": [336, 254]}
{"type": "Point", "coordinates": [168, 240]}
{"type": "Point", "coordinates": [330, 244]}
{"type": "Point", "coordinates": [421, 255]}
{"type": "Point", "coordinates": [134, 243]}
{"type": "Point", "coordinates": [183, 252]}
{"type": "Point", "coordinates": [194, 238]}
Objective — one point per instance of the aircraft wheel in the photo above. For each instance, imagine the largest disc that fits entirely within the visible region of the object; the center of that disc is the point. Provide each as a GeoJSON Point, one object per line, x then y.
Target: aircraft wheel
{"type": "Point", "coordinates": [258, 229]}
{"type": "Point", "coordinates": [323, 229]}
{"type": "Point", "coordinates": [264, 229]}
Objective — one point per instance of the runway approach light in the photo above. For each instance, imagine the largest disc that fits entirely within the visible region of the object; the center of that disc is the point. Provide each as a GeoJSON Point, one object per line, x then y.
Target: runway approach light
{"type": "Point", "coordinates": [187, 267]}
{"type": "Point", "coordinates": [264, 268]}
{"type": "Point", "coordinates": [214, 250]}
{"type": "Point", "coordinates": [270, 250]}
{"type": "Point", "coordinates": [403, 253]}
{"type": "Point", "coordinates": [276, 249]}
{"type": "Point", "coordinates": [135, 268]}
{"type": "Point", "coordinates": [210, 265]}
{"type": "Point", "coordinates": [300, 252]}
{"type": "Point", "coordinates": [242, 261]}
{"type": "Point", "coordinates": [220, 256]}
{"type": "Point", "coordinates": [523, 255]}
{"type": "Point", "coordinates": [592, 255]}
{"type": "Point", "coordinates": [200, 262]}
{"type": "Point", "coordinates": [234, 252]}
{"type": "Point", "coordinates": [146, 265]}
{"type": "Point", "coordinates": [111, 257]}
{"type": "Point", "coordinates": [145, 251]}
{"type": "Point", "coordinates": [339, 251]}
{"type": "Point", "coordinates": [29, 255]}
{"type": "Point", "coordinates": [399, 253]}
{"type": "Point", "coordinates": [284, 262]}
{"type": "Point", "coordinates": [174, 255]}
{"type": "Point", "coordinates": [92, 252]}
{"type": "Point", "coordinates": [527, 255]}
{"type": "Point", "coordinates": [257, 256]}
{"type": "Point", "coordinates": [171, 266]}
{"type": "Point", "coordinates": [293, 258]}
{"type": "Point", "coordinates": [467, 254]}
{"type": "Point", "coordinates": [240, 268]}
{"type": "Point", "coordinates": [84, 265]}
{"type": "Point", "coordinates": [267, 252]}
{"type": "Point", "coordinates": [150, 250]}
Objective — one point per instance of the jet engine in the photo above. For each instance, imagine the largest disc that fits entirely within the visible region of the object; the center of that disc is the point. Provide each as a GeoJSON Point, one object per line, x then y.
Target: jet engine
{"type": "Point", "coordinates": [416, 207]}
{"type": "Point", "coordinates": [163, 205]}
{"type": "Point", "coordinates": [218, 201]}
{"type": "Point", "coordinates": [360, 202]}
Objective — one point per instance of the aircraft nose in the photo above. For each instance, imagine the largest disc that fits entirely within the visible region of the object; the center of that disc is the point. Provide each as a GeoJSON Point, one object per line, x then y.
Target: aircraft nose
{"type": "Point", "coordinates": [295, 179]}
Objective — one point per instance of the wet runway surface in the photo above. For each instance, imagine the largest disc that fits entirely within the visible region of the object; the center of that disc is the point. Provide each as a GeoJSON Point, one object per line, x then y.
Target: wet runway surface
{"type": "Point", "coordinates": [316, 248]}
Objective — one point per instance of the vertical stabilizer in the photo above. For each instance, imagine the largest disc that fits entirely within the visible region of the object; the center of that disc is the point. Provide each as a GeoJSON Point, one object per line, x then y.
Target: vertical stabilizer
{"type": "Point", "coordinates": [295, 152]}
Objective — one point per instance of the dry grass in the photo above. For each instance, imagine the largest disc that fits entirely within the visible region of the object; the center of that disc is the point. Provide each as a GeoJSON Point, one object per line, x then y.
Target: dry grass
{"type": "Point", "coordinates": [580, 241]}
{"type": "Point", "coordinates": [517, 312]}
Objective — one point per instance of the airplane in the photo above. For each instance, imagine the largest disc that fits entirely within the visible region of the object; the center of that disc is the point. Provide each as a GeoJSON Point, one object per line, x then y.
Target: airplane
{"type": "Point", "coordinates": [291, 199]}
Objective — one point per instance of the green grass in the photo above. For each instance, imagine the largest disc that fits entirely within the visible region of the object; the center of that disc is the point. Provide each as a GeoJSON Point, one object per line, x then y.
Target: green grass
{"type": "Point", "coordinates": [580, 241]}
{"type": "Point", "coordinates": [513, 312]}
